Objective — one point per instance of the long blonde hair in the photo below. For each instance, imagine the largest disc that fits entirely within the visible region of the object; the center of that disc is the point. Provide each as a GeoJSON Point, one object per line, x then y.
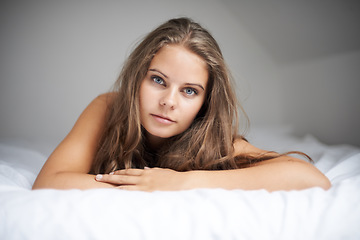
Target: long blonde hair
{"type": "Point", "coordinates": [206, 144]}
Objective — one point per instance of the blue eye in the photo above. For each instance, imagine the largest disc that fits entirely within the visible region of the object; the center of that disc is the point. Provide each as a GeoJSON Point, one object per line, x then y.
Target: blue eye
{"type": "Point", "coordinates": [190, 91]}
{"type": "Point", "coordinates": [158, 80]}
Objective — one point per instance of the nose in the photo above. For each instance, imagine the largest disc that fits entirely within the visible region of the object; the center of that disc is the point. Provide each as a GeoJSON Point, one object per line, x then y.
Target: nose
{"type": "Point", "coordinates": [169, 99]}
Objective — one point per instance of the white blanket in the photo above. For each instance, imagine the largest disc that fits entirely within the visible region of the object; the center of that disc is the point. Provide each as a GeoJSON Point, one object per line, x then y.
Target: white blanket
{"type": "Point", "coordinates": [195, 214]}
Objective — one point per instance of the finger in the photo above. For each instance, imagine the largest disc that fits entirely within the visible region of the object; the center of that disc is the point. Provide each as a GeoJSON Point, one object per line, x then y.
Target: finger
{"type": "Point", "coordinates": [117, 179]}
{"type": "Point", "coordinates": [130, 171]}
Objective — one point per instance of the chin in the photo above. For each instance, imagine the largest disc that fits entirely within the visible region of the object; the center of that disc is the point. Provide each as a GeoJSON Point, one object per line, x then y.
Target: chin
{"type": "Point", "coordinates": [162, 135]}
{"type": "Point", "coordinates": [159, 134]}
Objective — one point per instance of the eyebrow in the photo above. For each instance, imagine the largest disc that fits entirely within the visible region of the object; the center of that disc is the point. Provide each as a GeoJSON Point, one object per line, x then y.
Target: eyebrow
{"type": "Point", "coordinates": [194, 84]}
{"type": "Point", "coordinates": [155, 70]}
{"type": "Point", "coordinates": [191, 84]}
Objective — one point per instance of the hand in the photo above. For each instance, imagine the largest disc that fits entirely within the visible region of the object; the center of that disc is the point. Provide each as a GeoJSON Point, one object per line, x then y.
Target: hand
{"type": "Point", "coordinates": [148, 179]}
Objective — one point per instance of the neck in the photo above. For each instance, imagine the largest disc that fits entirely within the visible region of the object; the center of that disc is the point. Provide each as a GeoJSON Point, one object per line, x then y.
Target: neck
{"type": "Point", "coordinates": [154, 142]}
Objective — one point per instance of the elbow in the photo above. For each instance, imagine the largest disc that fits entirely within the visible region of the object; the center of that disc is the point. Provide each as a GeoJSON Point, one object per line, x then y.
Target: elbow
{"type": "Point", "coordinates": [324, 183]}
{"type": "Point", "coordinates": [313, 177]}
{"type": "Point", "coordinates": [35, 187]}
{"type": "Point", "coordinates": [318, 180]}
{"type": "Point", "coordinates": [44, 181]}
{"type": "Point", "coordinates": [38, 185]}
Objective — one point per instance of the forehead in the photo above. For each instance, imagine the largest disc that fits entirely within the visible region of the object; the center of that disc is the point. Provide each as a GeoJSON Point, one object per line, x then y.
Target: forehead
{"type": "Point", "coordinates": [177, 62]}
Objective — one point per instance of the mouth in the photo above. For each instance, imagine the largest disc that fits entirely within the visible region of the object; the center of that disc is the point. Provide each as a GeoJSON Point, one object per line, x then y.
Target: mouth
{"type": "Point", "coordinates": [162, 119]}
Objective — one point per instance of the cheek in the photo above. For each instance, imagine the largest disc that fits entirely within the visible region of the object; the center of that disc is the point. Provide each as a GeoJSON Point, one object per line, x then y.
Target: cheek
{"type": "Point", "coordinates": [143, 96]}
{"type": "Point", "coordinates": [192, 110]}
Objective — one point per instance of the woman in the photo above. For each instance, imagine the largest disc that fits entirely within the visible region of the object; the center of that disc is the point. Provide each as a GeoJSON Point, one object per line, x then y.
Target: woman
{"type": "Point", "coordinates": [170, 124]}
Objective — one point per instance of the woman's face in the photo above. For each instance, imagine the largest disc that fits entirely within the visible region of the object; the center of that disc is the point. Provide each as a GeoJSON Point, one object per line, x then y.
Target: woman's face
{"type": "Point", "coordinates": [172, 93]}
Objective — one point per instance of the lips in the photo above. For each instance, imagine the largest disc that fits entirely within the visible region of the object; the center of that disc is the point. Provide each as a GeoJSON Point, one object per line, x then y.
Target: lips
{"type": "Point", "coordinates": [163, 119]}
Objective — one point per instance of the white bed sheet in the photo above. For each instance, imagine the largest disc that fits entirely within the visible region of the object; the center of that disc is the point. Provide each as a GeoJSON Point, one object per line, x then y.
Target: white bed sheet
{"type": "Point", "coordinates": [194, 214]}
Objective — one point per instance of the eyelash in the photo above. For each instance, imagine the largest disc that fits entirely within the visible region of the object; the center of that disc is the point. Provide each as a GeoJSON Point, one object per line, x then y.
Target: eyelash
{"type": "Point", "coordinates": [155, 78]}
{"type": "Point", "coordinates": [192, 89]}
{"type": "Point", "coordinates": [159, 80]}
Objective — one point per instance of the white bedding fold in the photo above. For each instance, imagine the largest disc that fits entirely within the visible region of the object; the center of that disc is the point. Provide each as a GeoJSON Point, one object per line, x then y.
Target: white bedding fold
{"type": "Point", "coordinates": [195, 214]}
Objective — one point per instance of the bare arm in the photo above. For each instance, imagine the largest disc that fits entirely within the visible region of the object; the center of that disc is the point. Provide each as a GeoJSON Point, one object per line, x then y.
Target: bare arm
{"type": "Point", "coordinates": [68, 165]}
{"type": "Point", "coordinates": [282, 173]}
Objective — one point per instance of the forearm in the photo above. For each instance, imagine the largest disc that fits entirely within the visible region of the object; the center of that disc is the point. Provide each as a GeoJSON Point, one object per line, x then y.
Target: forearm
{"type": "Point", "coordinates": [289, 175]}
{"type": "Point", "coordinates": [231, 179]}
{"type": "Point", "coordinates": [226, 179]}
{"type": "Point", "coordinates": [272, 175]}
{"type": "Point", "coordinates": [69, 180]}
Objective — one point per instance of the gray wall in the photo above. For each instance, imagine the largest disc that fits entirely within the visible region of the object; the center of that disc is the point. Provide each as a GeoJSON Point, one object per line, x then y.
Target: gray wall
{"type": "Point", "coordinates": [295, 62]}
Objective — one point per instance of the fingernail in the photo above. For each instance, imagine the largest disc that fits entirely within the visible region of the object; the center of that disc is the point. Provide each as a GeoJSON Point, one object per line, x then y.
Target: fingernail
{"type": "Point", "coordinates": [112, 173]}
{"type": "Point", "coordinates": [98, 177]}
{"type": "Point", "coordinates": [146, 168]}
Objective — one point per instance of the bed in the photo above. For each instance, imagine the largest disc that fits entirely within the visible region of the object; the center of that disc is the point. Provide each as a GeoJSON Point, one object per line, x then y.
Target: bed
{"type": "Point", "coordinates": [193, 214]}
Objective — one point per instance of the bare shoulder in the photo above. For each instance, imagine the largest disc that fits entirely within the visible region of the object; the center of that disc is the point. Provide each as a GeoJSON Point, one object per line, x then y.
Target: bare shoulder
{"type": "Point", "coordinates": [107, 97]}
{"type": "Point", "coordinates": [97, 108]}
{"type": "Point", "coordinates": [95, 112]}
{"type": "Point", "coordinates": [77, 150]}
{"type": "Point", "coordinates": [290, 172]}
{"type": "Point", "coordinates": [104, 100]}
